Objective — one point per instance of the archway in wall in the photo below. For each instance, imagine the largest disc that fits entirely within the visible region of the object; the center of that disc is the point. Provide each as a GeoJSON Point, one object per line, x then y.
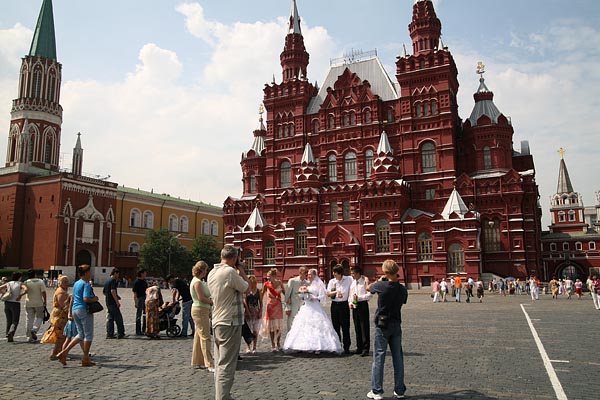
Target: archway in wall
{"type": "Point", "coordinates": [346, 264]}
{"type": "Point", "coordinates": [329, 272]}
{"type": "Point", "coordinates": [571, 270]}
{"type": "Point", "coordinates": [84, 257]}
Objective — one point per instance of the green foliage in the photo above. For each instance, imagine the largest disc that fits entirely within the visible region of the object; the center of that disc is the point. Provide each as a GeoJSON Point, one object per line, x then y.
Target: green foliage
{"type": "Point", "coordinates": [162, 254]}
{"type": "Point", "coordinates": [206, 248]}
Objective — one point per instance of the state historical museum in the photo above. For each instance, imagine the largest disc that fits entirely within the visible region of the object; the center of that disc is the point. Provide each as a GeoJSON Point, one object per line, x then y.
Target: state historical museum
{"type": "Point", "coordinates": [367, 168]}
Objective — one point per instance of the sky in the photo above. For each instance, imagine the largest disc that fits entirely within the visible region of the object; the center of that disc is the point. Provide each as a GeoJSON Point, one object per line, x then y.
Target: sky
{"type": "Point", "coordinates": [166, 93]}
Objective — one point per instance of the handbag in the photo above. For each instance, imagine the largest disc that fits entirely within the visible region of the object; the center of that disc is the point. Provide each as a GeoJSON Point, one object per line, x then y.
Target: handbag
{"type": "Point", "coordinates": [46, 314]}
{"type": "Point", "coordinates": [94, 307]}
{"type": "Point", "coordinates": [7, 294]}
{"type": "Point", "coordinates": [247, 333]}
{"type": "Point", "coordinates": [382, 321]}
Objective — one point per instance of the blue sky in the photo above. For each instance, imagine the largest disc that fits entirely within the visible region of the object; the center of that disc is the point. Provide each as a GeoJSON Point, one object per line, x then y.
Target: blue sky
{"type": "Point", "coordinates": [178, 83]}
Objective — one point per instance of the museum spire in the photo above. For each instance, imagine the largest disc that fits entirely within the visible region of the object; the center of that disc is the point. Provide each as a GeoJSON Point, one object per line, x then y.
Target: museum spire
{"type": "Point", "coordinates": [44, 41]}
{"type": "Point", "coordinates": [294, 57]}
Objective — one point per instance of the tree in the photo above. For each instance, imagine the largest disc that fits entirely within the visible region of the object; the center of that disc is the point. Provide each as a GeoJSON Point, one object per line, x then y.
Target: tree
{"type": "Point", "coordinates": [206, 248]}
{"type": "Point", "coordinates": [163, 255]}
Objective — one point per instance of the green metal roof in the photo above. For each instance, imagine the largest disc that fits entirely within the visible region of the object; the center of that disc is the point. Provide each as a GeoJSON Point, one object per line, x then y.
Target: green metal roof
{"type": "Point", "coordinates": [44, 41]}
{"type": "Point", "coordinates": [167, 197]}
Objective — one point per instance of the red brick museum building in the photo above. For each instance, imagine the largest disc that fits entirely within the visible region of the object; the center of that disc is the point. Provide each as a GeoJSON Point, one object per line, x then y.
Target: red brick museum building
{"type": "Point", "coordinates": [368, 167]}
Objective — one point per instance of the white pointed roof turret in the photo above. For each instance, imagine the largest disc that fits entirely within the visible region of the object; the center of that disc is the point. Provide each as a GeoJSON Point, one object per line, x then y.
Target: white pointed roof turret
{"type": "Point", "coordinates": [384, 145]}
{"type": "Point", "coordinates": [255, 220]}
{"type": "Point", "coordinates": [456, 205]}
{"type": "Point", "coordinates": [307, 157]}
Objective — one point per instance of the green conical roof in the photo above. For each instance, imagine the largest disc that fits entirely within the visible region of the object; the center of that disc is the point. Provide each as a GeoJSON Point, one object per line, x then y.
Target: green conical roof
{"type": "Point", "coordinates": [44, 42]}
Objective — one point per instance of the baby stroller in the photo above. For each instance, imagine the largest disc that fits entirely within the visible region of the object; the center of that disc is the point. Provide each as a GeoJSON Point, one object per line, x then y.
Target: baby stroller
{"type": "Point", "coordinates": [167, 321]}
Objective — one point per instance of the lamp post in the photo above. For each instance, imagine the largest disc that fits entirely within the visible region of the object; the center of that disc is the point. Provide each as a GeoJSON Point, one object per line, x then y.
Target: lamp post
{"type": "Point", "coordinates": [170, 246]}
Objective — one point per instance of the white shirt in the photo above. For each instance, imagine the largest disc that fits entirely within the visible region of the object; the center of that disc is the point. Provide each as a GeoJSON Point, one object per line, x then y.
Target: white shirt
{"type": "Point", "coordinates": [359, 288]}
{"type": "Point", "coordinates": [35, 288]}
{"type": "Point", "coordinates": [342, 286]}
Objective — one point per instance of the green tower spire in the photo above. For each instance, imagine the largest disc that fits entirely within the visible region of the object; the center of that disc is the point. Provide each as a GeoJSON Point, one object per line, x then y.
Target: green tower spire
{"type": "Point", "coordinates": [44, 42]}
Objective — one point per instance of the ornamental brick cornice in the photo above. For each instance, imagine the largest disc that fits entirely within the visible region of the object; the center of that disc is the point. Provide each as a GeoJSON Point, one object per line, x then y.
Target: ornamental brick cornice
{"type": "Point", "coordinates": [39, 105]}
{"type": "Point", "coordinates": [89, 190]}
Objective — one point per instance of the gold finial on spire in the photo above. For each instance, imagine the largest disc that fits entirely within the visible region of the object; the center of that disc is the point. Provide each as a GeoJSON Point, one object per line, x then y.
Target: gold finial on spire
{"type": "Point", "coordinates": [480, 68]}
{"type": "Point", "coordinates": [562, 152]}
{"type": "Point", "coordinates": [261, 109]}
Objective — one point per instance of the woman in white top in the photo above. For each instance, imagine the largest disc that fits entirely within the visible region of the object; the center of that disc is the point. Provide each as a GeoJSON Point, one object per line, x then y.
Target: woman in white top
{"type": "Point", "coordinates": [12, 305]}
{"type": "Point", "coordinates": [312, 330]}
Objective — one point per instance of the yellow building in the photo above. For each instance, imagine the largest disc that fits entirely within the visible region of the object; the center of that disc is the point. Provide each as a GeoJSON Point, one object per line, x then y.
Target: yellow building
{"type": "Point", "coordinates": [139, 211]}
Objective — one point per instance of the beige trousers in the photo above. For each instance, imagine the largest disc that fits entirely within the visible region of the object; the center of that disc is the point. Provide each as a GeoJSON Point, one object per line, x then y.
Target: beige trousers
{"type": "Point", "coordinates": [227, 349]}
{"type": "Point", "coordinates": [202, 347]}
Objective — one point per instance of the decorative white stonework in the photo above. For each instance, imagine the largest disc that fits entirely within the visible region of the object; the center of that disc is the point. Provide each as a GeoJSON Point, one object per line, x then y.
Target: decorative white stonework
{"type": "Point", "coordinates": [89, 212]}
{"type": "Point", "coordinates": [92, 191]}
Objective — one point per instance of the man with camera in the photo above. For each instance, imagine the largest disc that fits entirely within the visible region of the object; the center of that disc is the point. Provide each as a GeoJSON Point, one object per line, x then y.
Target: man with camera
{"type": "Point", "coordinates": [227, 283]}
{"type": "Point", "coordinates": [388, 330]}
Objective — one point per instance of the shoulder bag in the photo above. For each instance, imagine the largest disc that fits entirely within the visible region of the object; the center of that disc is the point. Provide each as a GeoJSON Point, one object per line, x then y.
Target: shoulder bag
{"type": "Point", "coordinates": [7, 294]}
{"type": "Point", "coordinates": [94, 307]}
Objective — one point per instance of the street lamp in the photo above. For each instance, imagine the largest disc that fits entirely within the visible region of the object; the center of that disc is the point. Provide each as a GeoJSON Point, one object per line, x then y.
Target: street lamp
{"type": "Point", "coordinates": [170, 245]}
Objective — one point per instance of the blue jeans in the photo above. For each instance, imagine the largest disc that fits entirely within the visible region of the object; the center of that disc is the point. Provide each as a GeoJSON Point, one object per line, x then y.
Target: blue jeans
{"type": "Point", "coordinates": [114, 316]}
{"type": "Point", "coordinates": [392, 336]}
{"type": "Point", "coordinates": [186, 318]}
{"type": "Point", "coordinates": [458, 294]}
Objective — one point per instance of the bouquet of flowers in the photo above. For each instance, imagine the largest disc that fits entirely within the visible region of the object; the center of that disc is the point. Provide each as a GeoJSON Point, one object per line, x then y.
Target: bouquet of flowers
{"type": "Point", "coordinates": [303, 291]}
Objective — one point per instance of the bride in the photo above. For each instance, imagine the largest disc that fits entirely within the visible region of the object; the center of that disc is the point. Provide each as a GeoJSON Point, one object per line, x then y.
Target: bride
{"type": "Point", "coordinates": [312, 330]}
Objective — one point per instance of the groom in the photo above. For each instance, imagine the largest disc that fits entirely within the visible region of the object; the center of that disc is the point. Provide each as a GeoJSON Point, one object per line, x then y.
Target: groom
{"type": "Point", "coordinates": [292, 300]}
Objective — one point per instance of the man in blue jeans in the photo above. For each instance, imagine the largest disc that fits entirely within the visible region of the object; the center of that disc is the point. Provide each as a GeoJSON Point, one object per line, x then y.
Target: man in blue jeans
{"type": "Point", "coordinates": [139, 300]}
{"type": "Point", "coordinates": [388, 330]}
{"type": "Point", "coordinates": [113, 307]}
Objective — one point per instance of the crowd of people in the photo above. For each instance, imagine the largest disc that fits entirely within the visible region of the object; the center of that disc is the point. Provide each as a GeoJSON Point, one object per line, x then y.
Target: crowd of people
{"type": "Point", "coordinates": [224, 305]}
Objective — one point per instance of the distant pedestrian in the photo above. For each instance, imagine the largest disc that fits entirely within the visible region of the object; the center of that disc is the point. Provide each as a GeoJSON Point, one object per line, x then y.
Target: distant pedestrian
{"type": "Point", "coordinates": [253, 311]}
{"type": "Point", "coordinates": [457, 288]}
{"type": "Point", "coordinates": [202, 356]}
{"type": "Point", "coordinates": [480, 291]}
{"type": "Point", "coordinates": [181, 291]}
{"type": "Point", "coordinates": [595, 289]}
{"type": "Point", "coordinates": [273, 319]}
{"type": "Point", "coordinates": [139, 301]}
{"type": "Point", "coordinates": [227, 282]}
{"type": "Point", "coordinates": [569, 287]}
{"type": "Point", "coordinates": [113, 306]}
{"type": "Point", "coordinates": [154, 302]}
{"type": "Point", "coordinates": [12, 304]}
{"type": "Point", "coordinates": [444, 289]}
{"type": "Point", "coordinates": [468, 291]}
{"type": "Point", "coordinates": [533, 288]}
{"type": "Point", "coordinates": [35, 303]}
{"type": "Point", "coordinates": [435, 291]}
{"type": "Point", "coordinates": [392, 295]}
{"type": "Point", "coordinates": [554, 286]}
{"type": "Point", "coordinates": [58, 316]}
{"type": "Point", "coordinates": [578, 288]}
{"type": "Point", "coordinates": [338, 290]}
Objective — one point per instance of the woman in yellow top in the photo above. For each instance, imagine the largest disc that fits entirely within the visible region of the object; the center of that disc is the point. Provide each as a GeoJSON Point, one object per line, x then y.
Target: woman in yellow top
{"type": "Point", "coordinates": [58, 317]}
{"type": "Point", "coordinates": [201, 305]}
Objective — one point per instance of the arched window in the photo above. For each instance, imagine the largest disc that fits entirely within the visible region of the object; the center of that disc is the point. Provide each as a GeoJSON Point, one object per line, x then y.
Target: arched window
{"type": "Point", "coordinates": [148, 222]}
{"type": "Point", "coordinates": [491, 235]}
{"type": "Point", "coordinates": [37, 82]}
{"type": "Point", "coordinates": [269, 253]}
{"type": "Point", "coordinates": [214, 228]}
{"type": "Point", "coordinates": [30, 148]}
{"type": "Point", "coordinates": [592, 245]}
{"type": "Point", "coordinates": [382, 237]}
{"type": "Point", "coordinates": [251, 183]}
{"type": "Point", "coordinates": [346, 210]}
{"type": "Point", "coordinates": [571, 215]}
{"type": "Point", "coordinates": [390, 115]}
{"type": "Point", "coordinates": [280, 131]}
{"type": "Point", "coordinates": [135, 218]}
{"type": "Point", "coordinates": [456, 259]}
{"type": "Point", "coordinates": [433, 107]}
{"type": "Point", "coordinates": [352, 118]}
{"type": "Point", "coordinates": [368, 117]}
{"type": "Point", "coordinates": [184, 224]}
{"type": "Point", "coordinates": [249, 263]}
{"type": "Point", "coordinates": [428, 157]}
{"type": "Point", "coordinates": [368, 163]}
{"type": "Point", "coordinates": [566, 246]}
{"type": "Point", "coordinates": [315, 126]}
{"type": "Point", "coordinates": [419, 109]}
{"type": "Point", "coordinates": [425, 108]}
{"type": "Point", "coordinates": [205, 227]}
{"type": "Point", "coordinates": [331, 168]}
{"type": "Point", "coordinates": [578, 246]}
{"type": "Point", "coordinates": [173, 223]}
{"type": "Point", "coordinates": [487, 158]}
{"type": "Point", "coordinates": [424, 247]}
{"type": "Point", "coordinates": [286, 174]}
{"type": "Point", "coordinates": [300, 240]}
{"type": "Point", "coordinates": [51, 86]}
{"type": "Point", "coordinates": [561, 216]}
{"type": "Point", "coordinates": [330, 122]}
{"type": "Point", "coordinates": [350, 166]}
{"type": "Point", "coordinates": [346, 119]}
{"type": "Point", "coordinates": [48, 151]}
{"type": "Point", "coordinates": [134, 248]}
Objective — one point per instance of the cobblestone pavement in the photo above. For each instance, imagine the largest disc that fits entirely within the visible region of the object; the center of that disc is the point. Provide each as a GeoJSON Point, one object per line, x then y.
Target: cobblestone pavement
{"type": "Point", "coordinates": [452, 351]}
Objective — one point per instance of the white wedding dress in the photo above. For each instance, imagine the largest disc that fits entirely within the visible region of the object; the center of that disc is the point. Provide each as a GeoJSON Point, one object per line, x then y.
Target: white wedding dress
{"type": "Point", "coordinates": [312, 330]}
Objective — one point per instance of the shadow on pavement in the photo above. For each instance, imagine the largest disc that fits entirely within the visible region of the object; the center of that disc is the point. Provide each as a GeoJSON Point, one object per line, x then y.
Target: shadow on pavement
{"type": "Point", "coordinates": [461, 394]}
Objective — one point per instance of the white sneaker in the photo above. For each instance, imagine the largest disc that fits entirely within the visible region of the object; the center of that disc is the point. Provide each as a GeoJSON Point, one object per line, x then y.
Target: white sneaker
{"type": "Point", "coordinates": [398, 396]}
{"type": "Point", "coordinates": [209, 369]}
{"type": "Point", "coordinates": [374, 396]}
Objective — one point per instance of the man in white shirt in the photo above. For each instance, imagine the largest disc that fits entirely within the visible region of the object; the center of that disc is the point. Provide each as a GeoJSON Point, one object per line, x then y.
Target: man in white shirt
{"type": "Point", "coordinates": [227, 283]}
{"type": "Point", "coordinates": [338, 290]}
{"type": "Point", "coordinates": [359, 304]}
{"type": "Point", "coordinates": [35, 301]}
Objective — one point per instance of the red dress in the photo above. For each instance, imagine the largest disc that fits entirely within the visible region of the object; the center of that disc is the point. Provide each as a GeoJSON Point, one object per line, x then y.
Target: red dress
{"type": "Point", "coordinates": [273, 320]}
